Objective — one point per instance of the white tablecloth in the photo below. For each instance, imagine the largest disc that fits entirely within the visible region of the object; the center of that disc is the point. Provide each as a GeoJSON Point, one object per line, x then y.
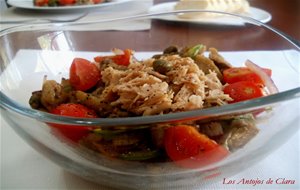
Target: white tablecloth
{"type": "Point", "coordinates": [24, 168]}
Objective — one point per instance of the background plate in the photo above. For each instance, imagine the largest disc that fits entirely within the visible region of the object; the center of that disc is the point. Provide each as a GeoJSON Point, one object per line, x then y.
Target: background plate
{"type": "Point", "coordinates": [258, 14]}
{"type": "Point", "coordinates": [28, 4]}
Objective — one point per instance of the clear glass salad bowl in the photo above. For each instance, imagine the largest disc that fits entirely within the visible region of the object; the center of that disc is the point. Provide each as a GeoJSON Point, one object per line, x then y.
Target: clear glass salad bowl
{"type": "Point", "coordinates": [31, 52]}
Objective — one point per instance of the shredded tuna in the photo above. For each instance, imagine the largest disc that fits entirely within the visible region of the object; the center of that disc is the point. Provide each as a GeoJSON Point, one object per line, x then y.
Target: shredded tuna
{"type": "Point", "coordinates": [168, 83]}
{"type": "Point", "coordinates": [143, 91]}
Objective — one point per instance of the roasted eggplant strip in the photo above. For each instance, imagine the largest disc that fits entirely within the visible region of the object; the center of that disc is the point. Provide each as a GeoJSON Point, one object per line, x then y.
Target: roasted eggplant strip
{"type": "Point", "coordinates": [240, 131]}
{"type": "Point", "coordinates": [207, 65]}
{"type": "Point", "coordinates": [124, 143]}
{"type": "Point", "coordinates": [86, 99]}
{"type": "Point", "coordinates": [219, 60]}
{"type": "Point", "coordinates": [35, 100]}
{"type": "Point", "coordinates": [140, 155]}
{"type": "Point", "coordinates": [53, 94]}
{"type": "Point", "coordinates": [212, 129]}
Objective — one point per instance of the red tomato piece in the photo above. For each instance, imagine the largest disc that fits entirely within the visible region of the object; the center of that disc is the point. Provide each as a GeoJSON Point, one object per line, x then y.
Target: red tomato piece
{"type": "Point", "coordinates": [98, 59]}
{"type": "Point", "coordinates": [191, 149]}
{"type": "Point", "coordinates": [83, 74]}
{"type": "Point", "coordinates": [236, 74]}
{"type": "Point", "coordinates": [41, 2]}
{"type": "Point", "coordinates": [243, 90]}
{"type": "Point", "coordinates": [72, 132]}
{"type": "Point", "coordinates": [123, 59]}
{"type": "Point", "coordinates": [66, 2]}
{"type": "Point", "coordinates": [74, 110]}
{"type": "Point", "coordinates": [98, 1]}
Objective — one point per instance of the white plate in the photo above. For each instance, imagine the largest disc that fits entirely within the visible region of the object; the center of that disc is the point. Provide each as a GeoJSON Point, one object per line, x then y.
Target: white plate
{"type": "Point", "coordinates": [28, 4]}
{"type": "Point", "coordinates": [258, 14]}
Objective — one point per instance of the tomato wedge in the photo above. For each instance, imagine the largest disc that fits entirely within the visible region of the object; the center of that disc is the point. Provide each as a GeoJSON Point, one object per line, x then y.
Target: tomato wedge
{"type": "Point", "coordinates": [41, 2]}
{"type": "Point", "coordinates": [98, 1]}
{"type": "Point", "coordinates": [66, 2]}
{"type": "Point", "coordinates": [83, 74]}
{"type": "Point", "coordinates": [243, 90]}
{"type": "Point", "coordinates": [190, 149]}
{"type": "Point", "coordinates": [72, 132]}
{"type": "Point", "coordinates": [122, 59]}
{"type": "Point", "coordinates": [237, 74]}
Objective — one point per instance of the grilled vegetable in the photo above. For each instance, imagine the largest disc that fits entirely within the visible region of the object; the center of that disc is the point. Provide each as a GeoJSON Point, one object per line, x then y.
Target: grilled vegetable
{"type": "Point", "coordinates": [161, 66]}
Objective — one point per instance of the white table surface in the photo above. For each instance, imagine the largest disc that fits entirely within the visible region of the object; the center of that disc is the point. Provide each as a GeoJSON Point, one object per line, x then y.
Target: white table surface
{"type": "Point", "coordinates": [23, 168]}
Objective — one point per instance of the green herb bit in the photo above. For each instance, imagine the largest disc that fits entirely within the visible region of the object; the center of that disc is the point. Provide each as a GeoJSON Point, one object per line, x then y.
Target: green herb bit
{"type": "Point", "coordinates": [192, 52]}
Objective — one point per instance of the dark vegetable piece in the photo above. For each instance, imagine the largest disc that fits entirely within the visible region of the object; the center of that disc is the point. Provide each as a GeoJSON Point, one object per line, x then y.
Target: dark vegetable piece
{"type": "Point", "coordinates": [52, 3]}
{"type": "Point", "coordinates": [108, 134]}
{"type": "Point", "coordinates": [35, 100]}
{"type": "Point", "coordinates": [162, 66]}
{"type": "Point", "coordinates": [53, 94]}
{"type": "Point", "coordinates": [240, 131]}
{"type": "Point", "coordinates": [140, 155]}
{"type": "Point", "coordinates": [127, 143]}
{"type": "Point", "coordinates": [171, 50]}
{"type": "Point", "coordinates": [157, 135]}
{"type": "Point", "coordinates": [66, 86]}
{"type": "Point", "coordinates": [111, 133]}
{"type": "Point", "coordinates": [207, 65]}
{"type": "Point", "coordinates": [212, 129]}
{"type": "Point", "coordinates": [219, 61]}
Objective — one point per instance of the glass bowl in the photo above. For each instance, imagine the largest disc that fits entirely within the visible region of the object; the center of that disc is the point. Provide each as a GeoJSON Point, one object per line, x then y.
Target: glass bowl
{"type": "Point", "coordinates": [31, 52]}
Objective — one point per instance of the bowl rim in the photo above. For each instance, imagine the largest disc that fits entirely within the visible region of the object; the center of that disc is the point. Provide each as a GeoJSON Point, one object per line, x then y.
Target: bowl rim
{"type": "Point", "coordinates": [246, 106]}
{"type": "Point", "coordinates": [241, 107]}
{"type": "Point", "coordinates": [148, 15]}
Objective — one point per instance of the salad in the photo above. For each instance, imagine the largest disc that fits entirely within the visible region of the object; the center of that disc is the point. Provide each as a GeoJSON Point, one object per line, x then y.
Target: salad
{"type": "Point", "coordinates": [175, 80]}
{"type": "Point", "coordinates": [53, 3]}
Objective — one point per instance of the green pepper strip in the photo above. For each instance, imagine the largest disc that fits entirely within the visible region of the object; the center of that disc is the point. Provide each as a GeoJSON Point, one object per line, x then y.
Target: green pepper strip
{"type": "Point", "coordinates": [192, 52]}
{"type": "Point", "coordinates": [109, 134]}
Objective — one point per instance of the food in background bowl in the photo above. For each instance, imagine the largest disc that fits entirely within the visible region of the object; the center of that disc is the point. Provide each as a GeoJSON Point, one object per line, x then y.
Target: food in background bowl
{"type": "Point", "coordinates": [230, 6]}
{"type": "Point", "coordinates": [53, 3]}
{"type": "Point", "coordinates": [176, 80]}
